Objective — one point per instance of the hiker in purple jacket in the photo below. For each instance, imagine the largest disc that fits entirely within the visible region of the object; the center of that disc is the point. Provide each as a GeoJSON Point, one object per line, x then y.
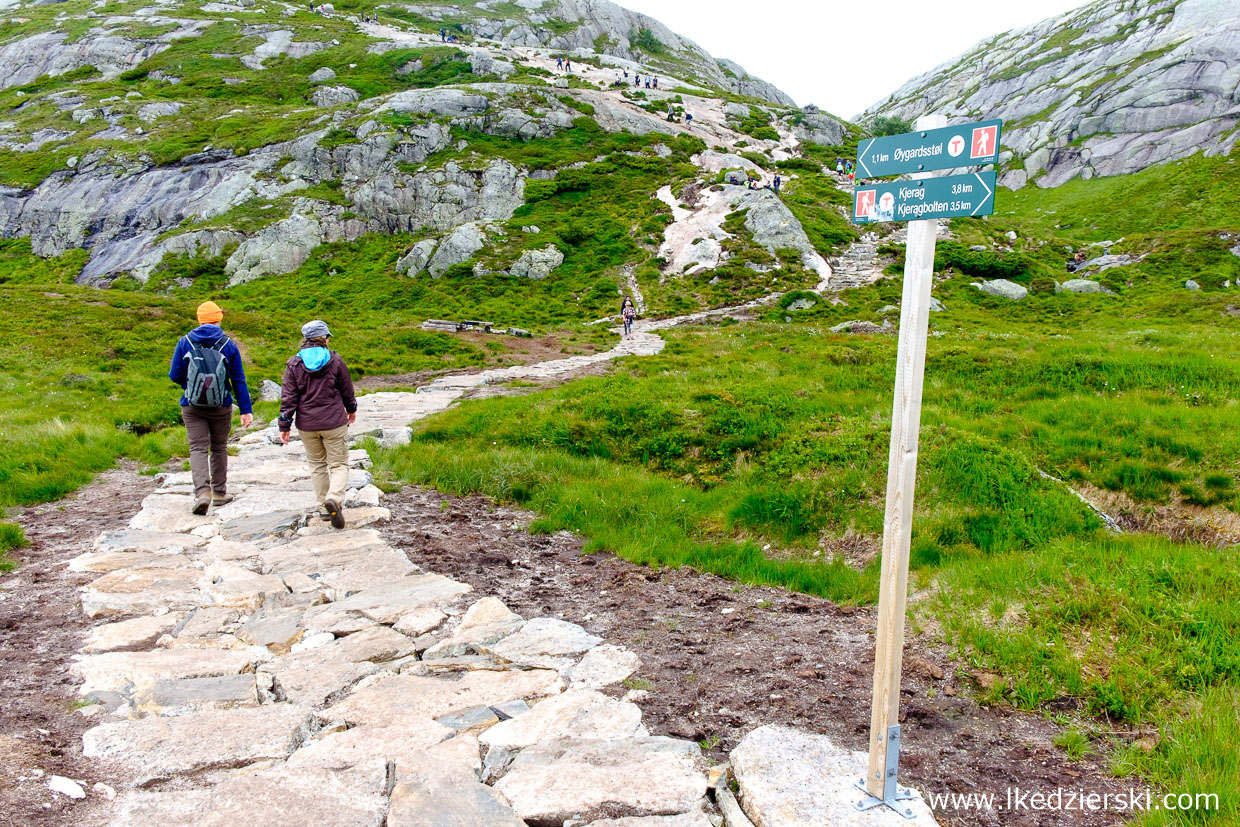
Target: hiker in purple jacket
{"type": "Point", "coordinates": [318, 396]}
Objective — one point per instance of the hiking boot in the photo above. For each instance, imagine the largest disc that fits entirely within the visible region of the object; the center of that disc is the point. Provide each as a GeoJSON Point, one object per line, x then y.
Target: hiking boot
{"type": "Point", "coordinates": [221, 499]}
{"type": "Point", "coordinates": [202, 504]}
{"type": "Point", "coordinates": [335, 512]}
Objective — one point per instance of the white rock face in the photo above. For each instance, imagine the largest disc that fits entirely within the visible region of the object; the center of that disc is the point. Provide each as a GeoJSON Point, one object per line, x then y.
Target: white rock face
{"type": "Point", "coordinates": [1139, 85]}
{"type": "Point", "coordinates": [790, 778]}
{"type": "Point", "coordinates": [279, 248]}
{"type": "Point", "coordinates": [415, 261]}
{"type": "Point", "coordinates": [545, 641]}
{"type": "Point", "coordinates": [151, 112]}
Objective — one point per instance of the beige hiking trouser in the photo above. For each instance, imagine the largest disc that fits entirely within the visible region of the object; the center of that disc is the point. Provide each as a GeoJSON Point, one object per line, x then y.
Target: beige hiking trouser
{"type": "Point", "coordinates": [328, 454]}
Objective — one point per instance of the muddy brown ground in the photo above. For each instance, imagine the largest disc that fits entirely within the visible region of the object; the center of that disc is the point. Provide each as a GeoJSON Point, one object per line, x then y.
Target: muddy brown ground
{"type": "Point", "coordinates": [776, 658]}
{"type": "Point", "coordinates": [41, 628]}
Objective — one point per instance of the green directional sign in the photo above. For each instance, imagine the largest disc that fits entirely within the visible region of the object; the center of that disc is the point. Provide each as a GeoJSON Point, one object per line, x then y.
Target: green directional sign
{"type": "Point", "coordinates": [971, 144]}
{"type": "Point", "coordinates": [948, 197]}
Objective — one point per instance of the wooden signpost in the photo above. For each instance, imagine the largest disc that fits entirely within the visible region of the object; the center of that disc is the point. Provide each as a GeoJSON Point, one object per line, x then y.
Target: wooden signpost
{"type": "Point", "coordinates": [880, 782]}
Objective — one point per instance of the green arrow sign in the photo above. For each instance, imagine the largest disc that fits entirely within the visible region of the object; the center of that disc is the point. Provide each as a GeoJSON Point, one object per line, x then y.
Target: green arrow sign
{"type": "Point", "coordinates": [971, 144]}
{"type": "Point", "coordinates": [954, 195]}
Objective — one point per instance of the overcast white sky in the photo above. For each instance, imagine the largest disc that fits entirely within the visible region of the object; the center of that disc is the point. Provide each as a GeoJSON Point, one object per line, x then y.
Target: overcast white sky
{"type": "Point", "coordinates": [842, 56]}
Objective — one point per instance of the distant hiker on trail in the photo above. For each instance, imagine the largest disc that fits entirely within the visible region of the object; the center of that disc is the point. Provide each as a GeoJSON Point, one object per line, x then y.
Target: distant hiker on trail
{"type": "Point", "coordinates": [568, 65]}
{"type": "Point", "coordinates": [688, 119]}
{"type": "Point", "coordinates": [626, 74]}
{"type": "Point", "coordinates": [656, 83]}
{"type": "Point", "coordinates": [559, 63]}
{"type": "Point", "coordinates": [443, 35]}
{"type": "Point", "coordinates": [647, 81]}
{"type": "Point", "coordinates": [318, 396]}
{"type": "Point", "coordinates": [778, 181]}
{"type": "Point", "coordinates": [207, 366]}
{"type": "Point", "coordinates": [637, 81]}
{"type": "Point", "coordinates": [839, 166]}
{"type": "Point", "coordinates": [628, 312]}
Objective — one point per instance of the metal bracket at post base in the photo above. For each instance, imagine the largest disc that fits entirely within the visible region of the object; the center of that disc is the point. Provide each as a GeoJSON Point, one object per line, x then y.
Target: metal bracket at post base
{"type": "Point", "coordinates": [892, 794]}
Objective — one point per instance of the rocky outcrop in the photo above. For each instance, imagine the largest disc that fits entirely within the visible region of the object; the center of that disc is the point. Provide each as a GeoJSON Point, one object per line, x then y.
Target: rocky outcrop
{"type": "Point", "coordinates": [1003, 289]}
{"type": "Point", "coordinates": [457, 248]}
{"type": "Point", "coordinates": [415, 261]}
{"type": "Point", "coordinates": [537, 264]}
{"type": "Point", "coordinates": [279, 248]}
{"type": "Point", "coordinates": [1128, 85]}
{"type": "Point", "coordinates": [334, 96]}
{"type": "Point", "coordinates": [590, 25]}
{"type": "Point", "coordinates": [51, 53]}
{"type": "Point", "coordinates": [816, 128]}
{"type": "Point", "coordinates": [774, 227]}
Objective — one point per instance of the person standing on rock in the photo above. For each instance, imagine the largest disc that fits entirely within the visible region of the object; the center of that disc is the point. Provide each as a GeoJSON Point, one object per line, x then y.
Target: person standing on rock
{"type": "Point", "coordinates": [207, 366]}
{"type": "Point", "coordinates": [318, 395]}
{"type": "Point", "coordinates": [628, 312]}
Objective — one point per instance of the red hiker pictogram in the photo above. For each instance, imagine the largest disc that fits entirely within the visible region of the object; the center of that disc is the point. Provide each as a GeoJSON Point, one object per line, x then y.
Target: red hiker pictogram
{"type": "Point", "coordinates": [865, 204]}
{"type": "Point", "coordinates": [983, 142]}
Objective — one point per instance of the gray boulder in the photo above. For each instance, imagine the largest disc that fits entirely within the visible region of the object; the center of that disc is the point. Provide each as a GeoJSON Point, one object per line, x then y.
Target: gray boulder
{"type": "Point", "coordinates": [150, 112]}
{"type": "Point", "coordinates": [1003, 289]}
{"type": "Point", "coordinates": [483, 63]}
{"type": "Point", "coordinates": [415, 261]}
{"type": "Point", "coordinates": [816, 128]}
{"type": "Point", "coordinates": [538, 264]}
{"type": "Point", "coordinates": [334, 96]}
{"type": "Point", "coordinates": [451, 103]}
{"type": "Point", "coordinates": [1191, 285]}
{"type": "Point", "coordinates": [322, 75]}
{"type": "Point", "coordinates": [270, 391]}
{"type": "Point", "coordinates": [1082, 286]}
{"type": "Point", "coordinates": [457, 248]}
{"type": "Point", "coordinates": [936, 306]}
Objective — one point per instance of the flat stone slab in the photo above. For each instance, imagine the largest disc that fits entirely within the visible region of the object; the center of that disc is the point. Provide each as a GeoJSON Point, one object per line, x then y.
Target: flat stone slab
{"type": "Point", "coordinates": [449, 803]}
{"type": "Point", "coordinates": [186, 695]}
{"type": "Point", "coordinates": [315, 675]}
{"type": "Point", "coordinates": [156, 542]}
{"type": "Point", "coordinates": [130, 635]}
{"type": "Point", "coordinates": [268, 499]}
{"type": "Point", "coordinates": [694, 819]}
{"type": "Point", "coordinates": [577, 713]}
{"type": "Point", "coordinates": [168, 513]}
{"type": "Point", "coordinates": [403, 743]}
{"type": "Point", "coordinates": [262, 527]}
{"type": "Point", "coordinates": [276, 629]}
{"type": "Point", "coordinates": [353, 518]}
{"type": "Point", "coordinates": [544, 641]}
{"type": "Point", "coordinates": [160, 747]}
{"type": "Point", "coordinates": [143, 591]}
{"type": "Point", "coordinates": [389, 602]}
{"type": "Point", "coordinates": [347, 561]}
{"type": "Point", "coordinates": [119, 671]}
{"type": "Point", "coordinates": [105, 562]}
{"type": "Point", "coordinates": [281, 796]}
{"type": "Point", "coordinates": [228, 584]}
{"type": "Point", "coordinates": [603, 666]}
{"type": "Point", "coordinates": [557, 780]}
{"type": "Point", "coordinates": [790, 778]}
{"type": "Point", "coordinates": [398, 697]}
{"type": "Point", "coordinates": [485, 623]}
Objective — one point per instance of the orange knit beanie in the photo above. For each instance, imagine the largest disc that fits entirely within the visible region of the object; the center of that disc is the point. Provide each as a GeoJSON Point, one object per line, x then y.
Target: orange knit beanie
{"type": "Point", "coordinates": [209, 313]}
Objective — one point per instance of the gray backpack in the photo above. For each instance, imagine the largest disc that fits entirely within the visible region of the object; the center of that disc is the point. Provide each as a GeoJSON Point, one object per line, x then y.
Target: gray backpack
{"type": "Point", "coordinates": [206, 374]}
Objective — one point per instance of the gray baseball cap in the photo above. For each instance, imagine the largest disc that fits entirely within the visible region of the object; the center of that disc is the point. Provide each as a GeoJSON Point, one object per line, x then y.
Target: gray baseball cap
{"type": "Point", "coordinates": [314, 329]}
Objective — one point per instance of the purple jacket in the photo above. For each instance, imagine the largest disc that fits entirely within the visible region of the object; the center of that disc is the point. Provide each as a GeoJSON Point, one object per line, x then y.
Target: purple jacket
{"type": "Point", "coordinates": [318, 400]}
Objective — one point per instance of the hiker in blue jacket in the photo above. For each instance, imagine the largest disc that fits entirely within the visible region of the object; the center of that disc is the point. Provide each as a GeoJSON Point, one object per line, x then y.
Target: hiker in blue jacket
{"type": "Point", "coordinates": [207, 366]}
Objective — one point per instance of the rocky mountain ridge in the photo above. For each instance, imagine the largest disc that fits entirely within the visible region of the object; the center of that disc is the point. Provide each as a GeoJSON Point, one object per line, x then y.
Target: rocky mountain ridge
{"type": "Point", "coordinates": [1108, 89]}
{"type": "Point", "coordinates": [259, 132]}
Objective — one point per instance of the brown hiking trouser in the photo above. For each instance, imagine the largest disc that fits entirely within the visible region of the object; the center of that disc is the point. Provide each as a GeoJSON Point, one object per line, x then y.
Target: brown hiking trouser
{"type": "Point", "coordinates": [208, 447]}
{"type": "Point", "coordinates": [328, 454]}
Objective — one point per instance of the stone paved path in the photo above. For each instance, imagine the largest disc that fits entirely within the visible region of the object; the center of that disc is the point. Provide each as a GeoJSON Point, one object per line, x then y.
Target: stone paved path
{"type": "Point", "coordinates": [259, 666]}
{"type": "Point", "coordinates": [255, 665]}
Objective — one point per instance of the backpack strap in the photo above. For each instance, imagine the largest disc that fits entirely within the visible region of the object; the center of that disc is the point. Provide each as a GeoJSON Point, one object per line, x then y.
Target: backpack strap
{"type": "Point", "coordinates": [222, 343]}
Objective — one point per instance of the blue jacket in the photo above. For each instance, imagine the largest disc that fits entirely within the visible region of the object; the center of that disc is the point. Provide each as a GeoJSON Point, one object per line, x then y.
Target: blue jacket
{"type": "Point", "coordinates": [209, 334]}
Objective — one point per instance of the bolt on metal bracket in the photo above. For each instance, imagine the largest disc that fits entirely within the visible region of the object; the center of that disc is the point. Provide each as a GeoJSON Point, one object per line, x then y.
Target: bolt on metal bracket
{"type": "Point", "coordinates": [893, 794]}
